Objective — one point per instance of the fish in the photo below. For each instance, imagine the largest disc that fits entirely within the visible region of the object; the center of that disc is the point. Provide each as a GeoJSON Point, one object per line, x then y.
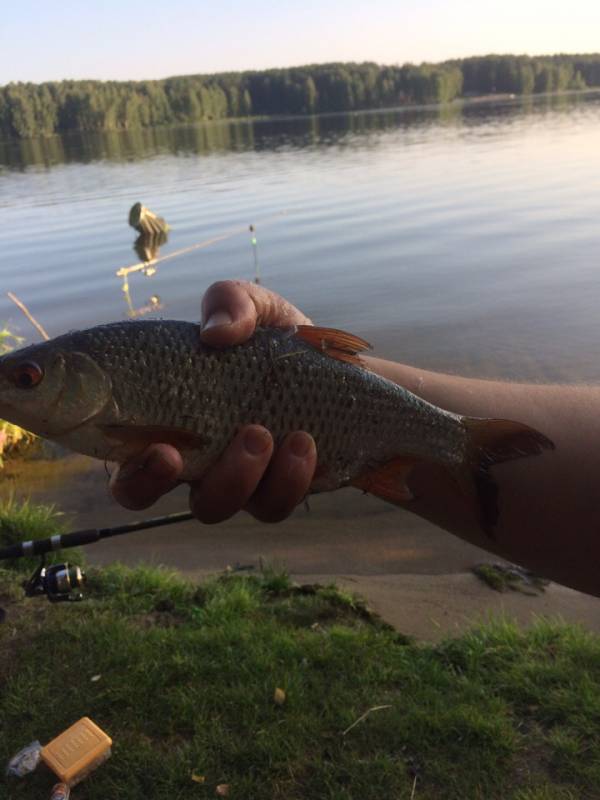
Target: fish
{"type": "Point", "coordinates": [111, 390]}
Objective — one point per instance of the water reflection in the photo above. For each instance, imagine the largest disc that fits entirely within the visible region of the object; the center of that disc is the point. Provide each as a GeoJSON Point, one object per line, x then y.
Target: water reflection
{"type": "Point", "coordinates": [152, 304]}
{"type": "Point", "coordinates": [147, 246]}
{"type": "Point", "coordinates": [459, 238]}
{"type": "Point", "coordinates": [269, 134]}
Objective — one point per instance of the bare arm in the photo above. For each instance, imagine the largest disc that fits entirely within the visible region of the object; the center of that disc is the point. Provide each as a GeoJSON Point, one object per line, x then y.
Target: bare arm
{"type": "Point", "coordinates": [549, 509]}
{"type": "Point", "coordinates": [549, 519]}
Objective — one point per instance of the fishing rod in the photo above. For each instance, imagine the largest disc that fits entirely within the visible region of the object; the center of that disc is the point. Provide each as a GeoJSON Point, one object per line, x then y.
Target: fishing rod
{"type": "Point", "coordinates": [58, 581]}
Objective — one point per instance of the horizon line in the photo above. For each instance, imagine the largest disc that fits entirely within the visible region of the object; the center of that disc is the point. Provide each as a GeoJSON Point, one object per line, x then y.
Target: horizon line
{"type": "Point", "coordinates": [303, 66]}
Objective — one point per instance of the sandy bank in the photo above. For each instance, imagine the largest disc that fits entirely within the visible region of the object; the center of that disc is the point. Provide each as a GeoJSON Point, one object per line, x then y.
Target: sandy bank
{"type": "Point", "coordinates": [414, 574]}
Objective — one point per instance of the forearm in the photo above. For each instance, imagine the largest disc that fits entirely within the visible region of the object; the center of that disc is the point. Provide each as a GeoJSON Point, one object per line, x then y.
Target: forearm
{"type": "Point", "coordinates": [549, 513]}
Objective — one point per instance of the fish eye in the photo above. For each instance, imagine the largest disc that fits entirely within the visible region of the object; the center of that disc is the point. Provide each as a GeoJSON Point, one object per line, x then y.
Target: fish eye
{"type": "Point", "coordinates": [27, 375]}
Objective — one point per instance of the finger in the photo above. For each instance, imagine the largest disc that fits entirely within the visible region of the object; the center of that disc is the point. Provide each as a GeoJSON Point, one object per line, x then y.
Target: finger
{"type": "Point", "coordinates": [231, 310]}
{"type": "Point", "coordinates": [287, 480]}
{"type": "Point", "coordinates": [141, 481]}
{"type": "Point", "coordinates": [228, 485]}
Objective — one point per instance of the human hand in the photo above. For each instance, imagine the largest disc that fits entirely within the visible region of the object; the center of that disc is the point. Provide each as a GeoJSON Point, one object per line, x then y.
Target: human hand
{"type": "Point", "coordinates": [250, 474]}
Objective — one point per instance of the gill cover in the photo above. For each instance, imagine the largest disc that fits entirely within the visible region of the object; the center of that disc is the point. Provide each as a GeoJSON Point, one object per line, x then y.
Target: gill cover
{"type": "Point", "coordinates": [85, 391]}
{"type": "Point", "coordinates": [65, 389]}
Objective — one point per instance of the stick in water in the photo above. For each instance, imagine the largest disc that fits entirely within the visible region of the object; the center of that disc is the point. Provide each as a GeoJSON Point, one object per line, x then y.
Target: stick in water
{"type": "Point", "coordinates": [142, 265]}
{"type": "Point", "coordinates": [28, 314]}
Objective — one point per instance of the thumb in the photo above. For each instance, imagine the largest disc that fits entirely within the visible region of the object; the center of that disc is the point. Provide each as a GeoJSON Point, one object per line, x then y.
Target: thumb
{"type": "Point", "coordinates": [231, 311]}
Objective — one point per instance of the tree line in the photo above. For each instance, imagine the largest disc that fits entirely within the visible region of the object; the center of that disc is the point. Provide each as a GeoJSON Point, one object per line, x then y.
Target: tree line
{"type": "Point", "coordinates": [28, 109]}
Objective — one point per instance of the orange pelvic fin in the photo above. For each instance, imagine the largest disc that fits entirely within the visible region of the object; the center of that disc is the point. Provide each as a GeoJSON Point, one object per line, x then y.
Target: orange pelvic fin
{"type": "Point", "coordinates": [389, 480]}
{"type": "Point", "coordinates": [154, 434]}
{"type": "Point", "coordinates": [337, 344]}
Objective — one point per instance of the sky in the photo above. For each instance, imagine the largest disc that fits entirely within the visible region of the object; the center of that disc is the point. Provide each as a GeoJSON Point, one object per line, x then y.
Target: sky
{"type": "Point", "coordinates": [44, 40]}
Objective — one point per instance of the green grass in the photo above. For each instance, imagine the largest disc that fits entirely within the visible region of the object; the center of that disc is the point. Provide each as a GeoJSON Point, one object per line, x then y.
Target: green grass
{"type": "Point", "coordinates": [188, 675]}
{"type": "Point", "coordinates": [22, 520]}
{"type": "Point", "coordinates": [503, 578]}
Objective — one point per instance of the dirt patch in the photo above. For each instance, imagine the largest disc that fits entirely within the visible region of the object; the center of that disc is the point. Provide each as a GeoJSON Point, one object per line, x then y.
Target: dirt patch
{"type": "Point", "coordinates": [156, 619]}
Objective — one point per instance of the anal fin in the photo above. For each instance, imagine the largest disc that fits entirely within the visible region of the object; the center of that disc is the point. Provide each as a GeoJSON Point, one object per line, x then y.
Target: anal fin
{"type": "Point", "coordinates": [388, 481]}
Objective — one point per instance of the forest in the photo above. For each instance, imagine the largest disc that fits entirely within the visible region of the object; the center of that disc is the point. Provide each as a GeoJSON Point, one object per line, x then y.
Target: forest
{"type": "Point", "coordinates": [29, 110]}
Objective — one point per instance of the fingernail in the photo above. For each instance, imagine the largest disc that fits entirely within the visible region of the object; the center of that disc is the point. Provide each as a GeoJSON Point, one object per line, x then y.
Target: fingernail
{"type": "Point", "coordinates": [218, 319]}
{"type": "Point", "coordinates": [256, 441]}
{"type": "Point", "coordinates": [300, 445]}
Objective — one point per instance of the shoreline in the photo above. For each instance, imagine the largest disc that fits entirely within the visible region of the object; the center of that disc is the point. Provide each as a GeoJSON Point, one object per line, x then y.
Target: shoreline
{"type": "Point", "coordinates": [504, 98]}
{"type": "Point", "coordinates": [416, 576]}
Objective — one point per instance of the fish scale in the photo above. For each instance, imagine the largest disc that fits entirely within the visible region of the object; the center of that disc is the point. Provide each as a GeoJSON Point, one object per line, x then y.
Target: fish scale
{"type": "Point", "coordinates": [163, 376]}
{"type": "Point", "coordinates": [111, 390]}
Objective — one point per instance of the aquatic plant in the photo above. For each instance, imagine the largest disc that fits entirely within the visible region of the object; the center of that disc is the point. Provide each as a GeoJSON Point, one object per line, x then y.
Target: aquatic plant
{"type": "Point", "coordinates": [11, 436]}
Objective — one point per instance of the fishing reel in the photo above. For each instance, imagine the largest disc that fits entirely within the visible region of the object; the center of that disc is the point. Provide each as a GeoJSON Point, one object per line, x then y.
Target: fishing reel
{"type": "Point", "coordinates": [57, 582]}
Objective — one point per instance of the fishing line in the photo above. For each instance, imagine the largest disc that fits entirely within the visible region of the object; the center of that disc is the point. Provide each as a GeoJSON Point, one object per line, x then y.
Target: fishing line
{"type": "Point", "coordinates": [254, 244]}
{"type": "Point", "coordinates": [124, 271]}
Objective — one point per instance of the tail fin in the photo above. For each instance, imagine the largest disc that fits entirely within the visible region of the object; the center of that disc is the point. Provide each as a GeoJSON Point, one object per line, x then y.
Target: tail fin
{"type": "Point", "coordinates": [490, 442]}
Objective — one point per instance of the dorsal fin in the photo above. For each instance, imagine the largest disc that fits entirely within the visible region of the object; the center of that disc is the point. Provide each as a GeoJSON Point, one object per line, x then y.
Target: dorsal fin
{"type": "Point", "coordinates": [335, 343]}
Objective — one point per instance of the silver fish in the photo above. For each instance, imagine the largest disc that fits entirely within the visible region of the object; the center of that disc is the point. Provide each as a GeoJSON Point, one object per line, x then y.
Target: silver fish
{"type": "Point", "coordinates": [111, 390]}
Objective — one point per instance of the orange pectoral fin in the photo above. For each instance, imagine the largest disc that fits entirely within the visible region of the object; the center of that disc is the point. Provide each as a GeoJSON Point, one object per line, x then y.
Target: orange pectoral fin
{"type": "Point", "coordinates": [337, 344]}
{"type": "Point", "coordinates": [154, 434]}
{"type": "Point", "coordinates": [389, 480]}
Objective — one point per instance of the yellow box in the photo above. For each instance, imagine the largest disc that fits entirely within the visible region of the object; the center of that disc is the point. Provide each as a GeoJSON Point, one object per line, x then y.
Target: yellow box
{"type": "Point", "coordinates": [77, 751]}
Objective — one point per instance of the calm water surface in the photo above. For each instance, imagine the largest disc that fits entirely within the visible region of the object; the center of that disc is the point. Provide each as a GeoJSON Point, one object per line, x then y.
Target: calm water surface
{"type": "Point", "coordinates": [460, 239]}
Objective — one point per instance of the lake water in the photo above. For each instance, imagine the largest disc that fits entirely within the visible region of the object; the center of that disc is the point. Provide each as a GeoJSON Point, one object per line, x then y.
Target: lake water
{"type": "Point", "coordinates": [460, 238]}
